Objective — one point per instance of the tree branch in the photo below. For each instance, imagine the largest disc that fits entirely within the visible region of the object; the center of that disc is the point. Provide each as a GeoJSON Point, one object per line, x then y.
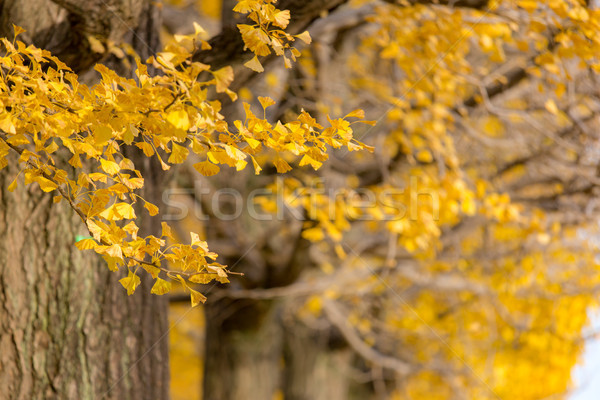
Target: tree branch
{"type": "Point", "coordinates": [336, 317]}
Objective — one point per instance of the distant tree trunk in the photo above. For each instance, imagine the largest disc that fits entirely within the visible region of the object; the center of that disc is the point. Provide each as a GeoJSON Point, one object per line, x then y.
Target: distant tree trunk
{"type": "Point", "coordinates": [243, 351]}
{"type": "Point", "coordinates": [254, 351]}
{"type": "Point", "coordinates": [67, 328]}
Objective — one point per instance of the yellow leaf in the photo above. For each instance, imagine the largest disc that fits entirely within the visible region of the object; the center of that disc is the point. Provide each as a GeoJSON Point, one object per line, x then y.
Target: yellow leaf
{"type": "Point", "coordinates": [94, 229]}
{"type": "Point", "coordinates": [424, 156]}
{"type": "Point", "coordinates": [234, 152]}
{"type": "Point", "coordinates": [240, 165]}
{"type": "Point", "coordinates": [492, 126]}
{"type": "Point", "coordinates": [223, 78]}
{"type": "Point", "coordinates": [252, 142]}
{"type": "Point", "coordinates": [152, 209]}
{"type": "Point", "coordinates": [126, 163]}
{"type": "Point", "coordinates": [146, 148]}
{"type": "Point", "coordinates": [313, 234]}
{"type": "Point", "coordinates": [178, 154]}
{"type": "Point", "coordinates": [161, 287]}
{"type": "Point", "coordinates": [102, 134]}
{"type": "Point", "coordinates": [114, 251]}
{"type": "Point", "coordinates": [358, 113]}
{"type": "Point", "coordinates": [305, 37]}
{"type": "Point", "coordinates": [132, 229]}
{"type": "Point", "coordinates": [281, 165]}
{"type": "Point", "coordinates": [202, 278]}
{"type": "Point", "coordinates": [281, 19]}
{"type": "Point", "coordinates": [309, 160]}
{"type": "Point", "coordinates": [257, 168]}
{"type": "Point", "coordinates": [152, 270]}
{"type": "Point", "coordinates": [314, 305]}
{"type": "Point", "coordinates": [86, 244]}
{"type": "Point", "coordinates": [118, 211]}
{"type": "Point", "coordinates": [96, 45]}
{"type": "Point", "coordinates": [551, 106]}
{"type": "Point", "coordinates": [207, 168]}
{"type": "Point", "coordinates": [266, 101]}
{"type": "Point", "coordinates": [166, 231]}
{"type": "Point", "coordinates": [254, 65]}
{"type": "Point", "coordinates": [18, 30]}
{"type": "Point", "coordinates": [195, 239]}
{"type": "Point", "coordinates": [46, 184]}
{"type": "Point", "coordinates": [130, 283]}
{"type": "Point", "coordinates": [179, 119]}
{"type": "Point", "coordinates": [198, 29]}
{"type": "Point", "coordinates": [110, 167]}
{"type": "Point", "coordinates": [196, 297]}
{"type": "Point", "coordinates": [13, 185]}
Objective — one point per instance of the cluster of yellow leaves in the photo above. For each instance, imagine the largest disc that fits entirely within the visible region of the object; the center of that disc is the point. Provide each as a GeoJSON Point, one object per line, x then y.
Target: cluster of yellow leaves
{"type": "Point", "coordinates": [47, 116]}
{"type": "Point", "coordinates": [513, 285]}
{"type": "Point", "coordinates": [267, 33]}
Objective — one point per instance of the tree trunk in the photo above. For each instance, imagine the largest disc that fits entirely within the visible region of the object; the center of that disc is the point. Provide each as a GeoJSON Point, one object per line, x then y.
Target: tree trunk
{"type": "Point", "coordinates": [257, 350]}
{"type": "Point", "coordinates": [243, 350]}
{"type": "Point", "coordinates": [68, 330]}
{"type": "Point", "coordinates": [316, 367]}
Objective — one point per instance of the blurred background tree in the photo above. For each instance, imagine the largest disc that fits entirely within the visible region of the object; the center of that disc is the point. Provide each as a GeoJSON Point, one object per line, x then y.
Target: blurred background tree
{"type": "Point", "coordinates": [457, 261]}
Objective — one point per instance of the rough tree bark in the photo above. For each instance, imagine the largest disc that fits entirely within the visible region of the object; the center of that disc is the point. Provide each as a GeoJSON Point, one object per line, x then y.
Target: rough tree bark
{"type": "Point", "coordinates": [67, 328]}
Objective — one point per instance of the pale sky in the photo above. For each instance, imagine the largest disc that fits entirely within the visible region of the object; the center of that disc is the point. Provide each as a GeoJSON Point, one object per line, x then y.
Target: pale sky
{"type": "Point", "coordinates": [587, 374]}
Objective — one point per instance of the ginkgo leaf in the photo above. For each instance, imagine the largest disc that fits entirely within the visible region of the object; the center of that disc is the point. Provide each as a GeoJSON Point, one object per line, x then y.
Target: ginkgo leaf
{"type": "Point", "coordinates": [102, 134]}
{"type": "Point", "coordinates": [46, 184]}
{"type": "Point", "coordinates": [257, 168]}
{"type": "Point", "coordinates": [152, 209]}
{"type": "Point", "coordinates": [266, 101]}
{"type": "Point", "coordinates": [252, 142]}
{"type": "Point", "coordinates": [132, 229]}
{"type": "Point", "coordinates": [130, 282]}
{"type": "Point", "coordinates": [118, 211]}
{"type": "Point", "coordinates": [94, 229]}
{"type": "Point", "coordinates": [13, 185]}
{"type": "Point", "coordinates": [196, 297]}
{"type": "Point", "coordinates": [179, 119]}
{"type": "Point", "coordinates": [114, 251]}
{"type": "Point", "coordinates": [309, 160]}
{"type": "Point", "coordinates": [110, 167]}
{"type": "Point", "coordinates": [305, 37]}
{"type": "Point", "coordinates": [161, 287]}
{"type": "Point", "coordinates": [166, 231]}
{"type": "Point", "coordinates": [86, 244]}
{"type": "Point", "coordinates": [95, 45]}
{"type": "Point", "coordinates": [178, 154]}
{"type": "Point", "coordinates": [202, 278]}
{"type": "Point", "coordinates": [18, 30]}
{"type": "Point", "coordinates": [146, 148]}
{"type": "Point", "coordinates": [207, 168]}
{"type": "Point", "coordinates": [254, 65]}
{"type": "Point", "coordinates": [281, 19]}
{"type": "Point", "coordinates": [356, 114]}
{"type": "Point", "coordinates": [223, 78]}
{"type": "Point", "coordinates": [281, 165]}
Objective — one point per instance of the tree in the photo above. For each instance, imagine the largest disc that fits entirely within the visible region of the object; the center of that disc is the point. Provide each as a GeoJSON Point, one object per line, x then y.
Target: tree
{"type": "Point", "coordinates": [67, 329]}
{"type": "Point", "coordinates": [486, 266]}
{"type": "Point", "coordinates": [477, 116]}
{"type": "Point", "coordinates": [81, 144]}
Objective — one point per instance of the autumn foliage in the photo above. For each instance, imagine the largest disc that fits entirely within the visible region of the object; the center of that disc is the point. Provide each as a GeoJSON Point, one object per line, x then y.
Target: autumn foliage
{"type": "Point", "coordinates": [483, 109]}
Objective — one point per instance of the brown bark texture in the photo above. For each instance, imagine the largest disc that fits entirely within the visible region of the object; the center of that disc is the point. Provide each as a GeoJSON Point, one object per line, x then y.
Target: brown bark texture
{"type": "Point", "coordinates": [68, 330]}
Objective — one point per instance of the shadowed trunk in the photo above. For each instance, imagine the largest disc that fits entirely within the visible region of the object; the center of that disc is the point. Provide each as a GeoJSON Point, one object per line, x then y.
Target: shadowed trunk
{"type": "Point", "coordinates": [243, 350]}
{"type": "Point", "coordinates": [68, 330]}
